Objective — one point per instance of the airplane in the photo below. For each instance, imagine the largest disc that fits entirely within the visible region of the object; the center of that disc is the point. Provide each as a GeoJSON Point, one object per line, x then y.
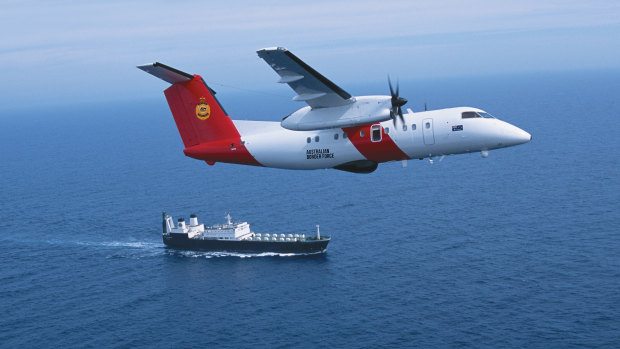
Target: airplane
{"type": "Point", "coordinates": [334, 130]}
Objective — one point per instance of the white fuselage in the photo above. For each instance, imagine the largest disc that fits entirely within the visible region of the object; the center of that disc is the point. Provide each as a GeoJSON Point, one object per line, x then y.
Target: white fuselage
{"type": "Point", "coordinates": [422, 134]}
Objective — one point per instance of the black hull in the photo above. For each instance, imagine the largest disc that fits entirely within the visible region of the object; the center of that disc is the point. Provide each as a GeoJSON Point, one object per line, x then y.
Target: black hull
{"type": "Point", "coordinates": [181, 241]}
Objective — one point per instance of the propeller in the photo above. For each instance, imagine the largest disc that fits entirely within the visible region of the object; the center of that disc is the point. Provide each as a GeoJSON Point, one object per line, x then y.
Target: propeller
{"type": "Point", "coordinates": [397, 103]}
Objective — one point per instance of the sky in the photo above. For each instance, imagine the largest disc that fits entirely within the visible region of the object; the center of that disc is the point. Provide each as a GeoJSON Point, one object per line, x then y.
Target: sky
{"type": "Point", "coordinates": [59, 52]}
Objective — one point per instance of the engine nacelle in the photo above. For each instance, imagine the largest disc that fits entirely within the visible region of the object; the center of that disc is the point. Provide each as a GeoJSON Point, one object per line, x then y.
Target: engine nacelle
{"type": "Point", "coordinates": [363, 110]}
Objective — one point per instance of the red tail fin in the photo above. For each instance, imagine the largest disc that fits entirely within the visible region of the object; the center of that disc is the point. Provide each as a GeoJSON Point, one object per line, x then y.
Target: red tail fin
{"type": "Point", "coordinates": [207, 131]}
{"type": "Point", "coordinates": [198, 114]}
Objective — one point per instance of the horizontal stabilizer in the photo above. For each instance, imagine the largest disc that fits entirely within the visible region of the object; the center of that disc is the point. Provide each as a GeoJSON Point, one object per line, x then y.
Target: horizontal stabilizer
{"type": "Point", "coordinates": [166, 73]}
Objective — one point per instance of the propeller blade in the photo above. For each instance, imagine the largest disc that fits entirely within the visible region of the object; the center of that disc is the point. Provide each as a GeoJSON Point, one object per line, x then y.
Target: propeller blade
{"type": "Point", "coordinates": [390, 84]}
{"type": "Point", "coordinates": [397, 102]}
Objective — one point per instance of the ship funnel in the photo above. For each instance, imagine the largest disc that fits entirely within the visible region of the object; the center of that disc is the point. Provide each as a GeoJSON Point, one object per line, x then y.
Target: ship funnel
{"type": "Point", "coordinates": [193, 220]}
{"type": "Point", "coordinates": [181, 223]}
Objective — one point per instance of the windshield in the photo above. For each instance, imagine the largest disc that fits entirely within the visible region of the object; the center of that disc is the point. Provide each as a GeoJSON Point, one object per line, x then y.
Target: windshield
{"type": "Point", "coordinates": [473, 114]}
{"type": "Point", "coordinates": [486, 115]}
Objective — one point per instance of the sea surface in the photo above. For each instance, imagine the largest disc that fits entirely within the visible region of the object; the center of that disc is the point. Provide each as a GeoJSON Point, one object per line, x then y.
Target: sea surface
{"type": "Point", "coordinates": [521, 249]}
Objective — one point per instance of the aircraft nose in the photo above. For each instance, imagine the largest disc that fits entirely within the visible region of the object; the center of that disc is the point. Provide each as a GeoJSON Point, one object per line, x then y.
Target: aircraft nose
{"type": "Point", "coordinates": [514, 135]}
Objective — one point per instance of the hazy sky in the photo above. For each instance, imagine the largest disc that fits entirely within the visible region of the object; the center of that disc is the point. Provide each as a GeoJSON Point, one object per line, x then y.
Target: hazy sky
{"type": "Point", "coordinates": [59, 51]}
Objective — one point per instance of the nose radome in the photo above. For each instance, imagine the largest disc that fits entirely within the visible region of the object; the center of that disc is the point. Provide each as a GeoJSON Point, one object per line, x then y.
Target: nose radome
{"type": "Point", "coordinates": [523, 136]}
{"type": "Point", "coordinates": [516, 135]}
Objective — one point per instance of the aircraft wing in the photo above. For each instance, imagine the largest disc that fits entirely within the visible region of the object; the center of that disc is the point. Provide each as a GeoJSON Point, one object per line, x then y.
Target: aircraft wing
{"type": "Point", "coordinates": [310, 86]}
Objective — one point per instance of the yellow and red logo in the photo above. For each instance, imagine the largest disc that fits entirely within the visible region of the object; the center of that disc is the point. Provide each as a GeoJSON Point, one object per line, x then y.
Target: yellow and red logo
{"type": "Point", "coordinates": [203, 110]}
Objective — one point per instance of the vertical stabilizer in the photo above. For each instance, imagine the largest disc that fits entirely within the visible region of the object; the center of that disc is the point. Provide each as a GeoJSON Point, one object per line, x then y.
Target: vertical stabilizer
{"type": "Point", "coordinates": [208, 133]}
{"type": "Point", "coordinates": [198, 114]}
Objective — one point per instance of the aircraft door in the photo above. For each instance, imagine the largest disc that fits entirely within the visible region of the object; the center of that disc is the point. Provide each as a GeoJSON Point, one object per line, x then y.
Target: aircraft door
{"type": "Point", "coordinates": [427, 131]}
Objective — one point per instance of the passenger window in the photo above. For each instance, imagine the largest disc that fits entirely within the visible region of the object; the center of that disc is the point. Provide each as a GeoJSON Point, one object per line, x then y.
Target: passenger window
{"type": "Point", "coordinates": [308, 140]}
{"type": "Point", "coordinates": [344, 135]}
{"type": "Point", "coordinates": [387, 130]}
{"type": "Point", "coordinates": [362, 133]}
{"type": "Point", "coordinates": [404, 127]}
{"type": "Point", "coordinates": [413, 127]}
{"type": "Point", "coordinates": [428, 125]}
{"type": "Point", "coordinates": [376, 133]}
{"type": "Point", "coordinates": [316, 138]}
{"type": "Point", "coordinates": [336, 136]}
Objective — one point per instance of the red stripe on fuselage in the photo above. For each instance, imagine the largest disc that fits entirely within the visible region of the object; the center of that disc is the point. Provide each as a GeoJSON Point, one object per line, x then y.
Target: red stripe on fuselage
{"type": "Point", "coordinates": [381, 151]}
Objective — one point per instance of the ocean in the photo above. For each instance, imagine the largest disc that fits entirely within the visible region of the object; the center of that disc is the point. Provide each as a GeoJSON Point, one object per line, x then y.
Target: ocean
{"type": "Point", "coordinates": [521, 249]}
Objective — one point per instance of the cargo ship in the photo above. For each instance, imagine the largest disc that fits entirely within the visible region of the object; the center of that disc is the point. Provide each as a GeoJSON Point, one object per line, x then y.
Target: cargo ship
{"type": "Point", "coordinates": [236, 237]}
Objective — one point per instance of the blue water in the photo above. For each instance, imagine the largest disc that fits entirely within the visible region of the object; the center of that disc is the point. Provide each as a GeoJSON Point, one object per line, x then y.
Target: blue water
{"type": "Point", "coordinates": [521, 249]}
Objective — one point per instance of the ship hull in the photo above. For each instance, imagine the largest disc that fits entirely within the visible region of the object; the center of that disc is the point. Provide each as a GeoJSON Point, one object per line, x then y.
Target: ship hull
{"type": "Point", "coordinates": [181, 241]}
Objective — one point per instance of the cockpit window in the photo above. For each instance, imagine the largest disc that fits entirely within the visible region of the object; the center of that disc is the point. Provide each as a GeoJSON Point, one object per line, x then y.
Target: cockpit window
{"type": "Point", "coordinates": [473, 114]}
{"type": "Point", "coordinates": [469, 115]}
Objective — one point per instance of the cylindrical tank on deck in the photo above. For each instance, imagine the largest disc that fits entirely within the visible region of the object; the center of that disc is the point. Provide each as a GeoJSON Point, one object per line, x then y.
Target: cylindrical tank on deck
{"type": "Point", "coordinates": [193, 220]}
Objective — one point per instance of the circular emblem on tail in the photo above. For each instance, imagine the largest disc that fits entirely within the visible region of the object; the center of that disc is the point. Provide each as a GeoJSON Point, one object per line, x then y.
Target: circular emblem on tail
{"type": "Point", "coordinates": [203, 110]}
